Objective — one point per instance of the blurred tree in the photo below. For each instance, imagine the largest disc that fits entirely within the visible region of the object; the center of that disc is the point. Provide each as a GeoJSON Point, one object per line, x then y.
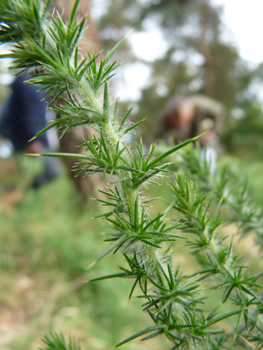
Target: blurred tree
{"type": "Point", "coordinates": [198, 59]}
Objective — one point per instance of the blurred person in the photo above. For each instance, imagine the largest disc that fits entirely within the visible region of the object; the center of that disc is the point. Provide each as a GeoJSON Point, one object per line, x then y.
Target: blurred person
{"type": "Point", "coordinates": [187, 117]}
{"type": "Point", "coordinates": [23, 116]}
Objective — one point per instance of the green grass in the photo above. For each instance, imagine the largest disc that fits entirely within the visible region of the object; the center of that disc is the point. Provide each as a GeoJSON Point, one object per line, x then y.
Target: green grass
{"type": "Point", "coordinates": [48, 241]}
{"type": "Point", "coordinates": [254, 174]}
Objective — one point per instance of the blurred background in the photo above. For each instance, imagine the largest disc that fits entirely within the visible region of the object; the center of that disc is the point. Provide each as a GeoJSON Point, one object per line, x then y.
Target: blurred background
{"type": "Point", "coordinates": [190, 66]}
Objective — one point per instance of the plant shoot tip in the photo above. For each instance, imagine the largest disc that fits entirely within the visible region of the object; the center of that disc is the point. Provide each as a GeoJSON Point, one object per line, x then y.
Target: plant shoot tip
{"type": "Point", "coordinates": [34, 154]}
{"type": "Point", "coordinates": [91, 265]}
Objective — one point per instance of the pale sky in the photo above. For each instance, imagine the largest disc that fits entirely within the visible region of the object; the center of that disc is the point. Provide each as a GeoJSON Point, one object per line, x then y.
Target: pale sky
{"type": "Point", "coordinates": [245, 19]}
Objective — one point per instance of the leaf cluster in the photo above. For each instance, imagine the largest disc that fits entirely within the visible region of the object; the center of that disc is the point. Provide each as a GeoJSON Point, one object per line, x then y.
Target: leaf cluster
{"type": "Point", "coordinates": [31, 19]}
{"type": "Point", "coordinates": [219, 260]}
{"type": "Point", "coordinates": [55, 50]}
{"type": "Point", "coordinates": [227, 186]}
{"type": "Point", "coordinates": [54, 341]}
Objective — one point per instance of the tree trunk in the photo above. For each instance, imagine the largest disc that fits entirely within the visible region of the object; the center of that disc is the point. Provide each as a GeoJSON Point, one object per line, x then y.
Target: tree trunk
{"type": "Point", "coordinates": [205, 50]}
{"type": "Point", "coordinates": [90, 40]}
{"type": "Point", "coordinates": [71, 140]}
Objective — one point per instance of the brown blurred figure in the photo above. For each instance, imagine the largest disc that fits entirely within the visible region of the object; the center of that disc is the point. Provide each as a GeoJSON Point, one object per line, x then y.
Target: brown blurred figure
{"type": "Point", "coordinates": [187, 117]}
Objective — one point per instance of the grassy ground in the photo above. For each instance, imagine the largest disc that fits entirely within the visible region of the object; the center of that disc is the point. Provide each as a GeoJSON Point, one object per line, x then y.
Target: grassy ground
{"type": "Point", "coordinates": [254, 174]}
{"type": "Point", "coordinates": [48, 240]}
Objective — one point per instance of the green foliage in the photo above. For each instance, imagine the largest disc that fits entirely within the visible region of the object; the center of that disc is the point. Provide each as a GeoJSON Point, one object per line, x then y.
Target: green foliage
{"type": "Point", "coordinates": [244, 139]}
{"type": "Point", "coordinates": [218, 260]}
{"type": "Point", "coordinates": [54, 341]}
{"type": "Point", "coordinates": [173, 300]}
{"type": "Point", "coordinates": [228, 187]}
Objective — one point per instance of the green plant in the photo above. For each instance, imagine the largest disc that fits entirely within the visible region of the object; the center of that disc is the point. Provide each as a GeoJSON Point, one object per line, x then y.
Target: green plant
{"type": "Point", "coordinates": [227, 185]}
{"type": "Point", "coordinates": [175, 302]}
{"type": "Point", "coordinates": [54, 341]}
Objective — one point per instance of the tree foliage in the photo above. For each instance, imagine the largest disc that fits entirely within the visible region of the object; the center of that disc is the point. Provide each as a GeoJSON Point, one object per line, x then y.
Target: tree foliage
{"type": "Point", "coordinates": [198, 59]}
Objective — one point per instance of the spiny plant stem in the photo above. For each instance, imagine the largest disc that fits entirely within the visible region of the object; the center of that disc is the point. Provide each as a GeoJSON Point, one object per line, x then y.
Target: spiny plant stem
{"type": "Point", "coordinates": [171, 300]}
{"type": "Point", "coordinates": [131, 199]}
{"type": "Point", "coordinates": [85, 92]}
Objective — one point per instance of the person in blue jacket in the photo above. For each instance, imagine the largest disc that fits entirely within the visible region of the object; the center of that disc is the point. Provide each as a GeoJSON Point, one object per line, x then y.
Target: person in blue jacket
{"type": "Point", "coordinates": [23, 116]}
